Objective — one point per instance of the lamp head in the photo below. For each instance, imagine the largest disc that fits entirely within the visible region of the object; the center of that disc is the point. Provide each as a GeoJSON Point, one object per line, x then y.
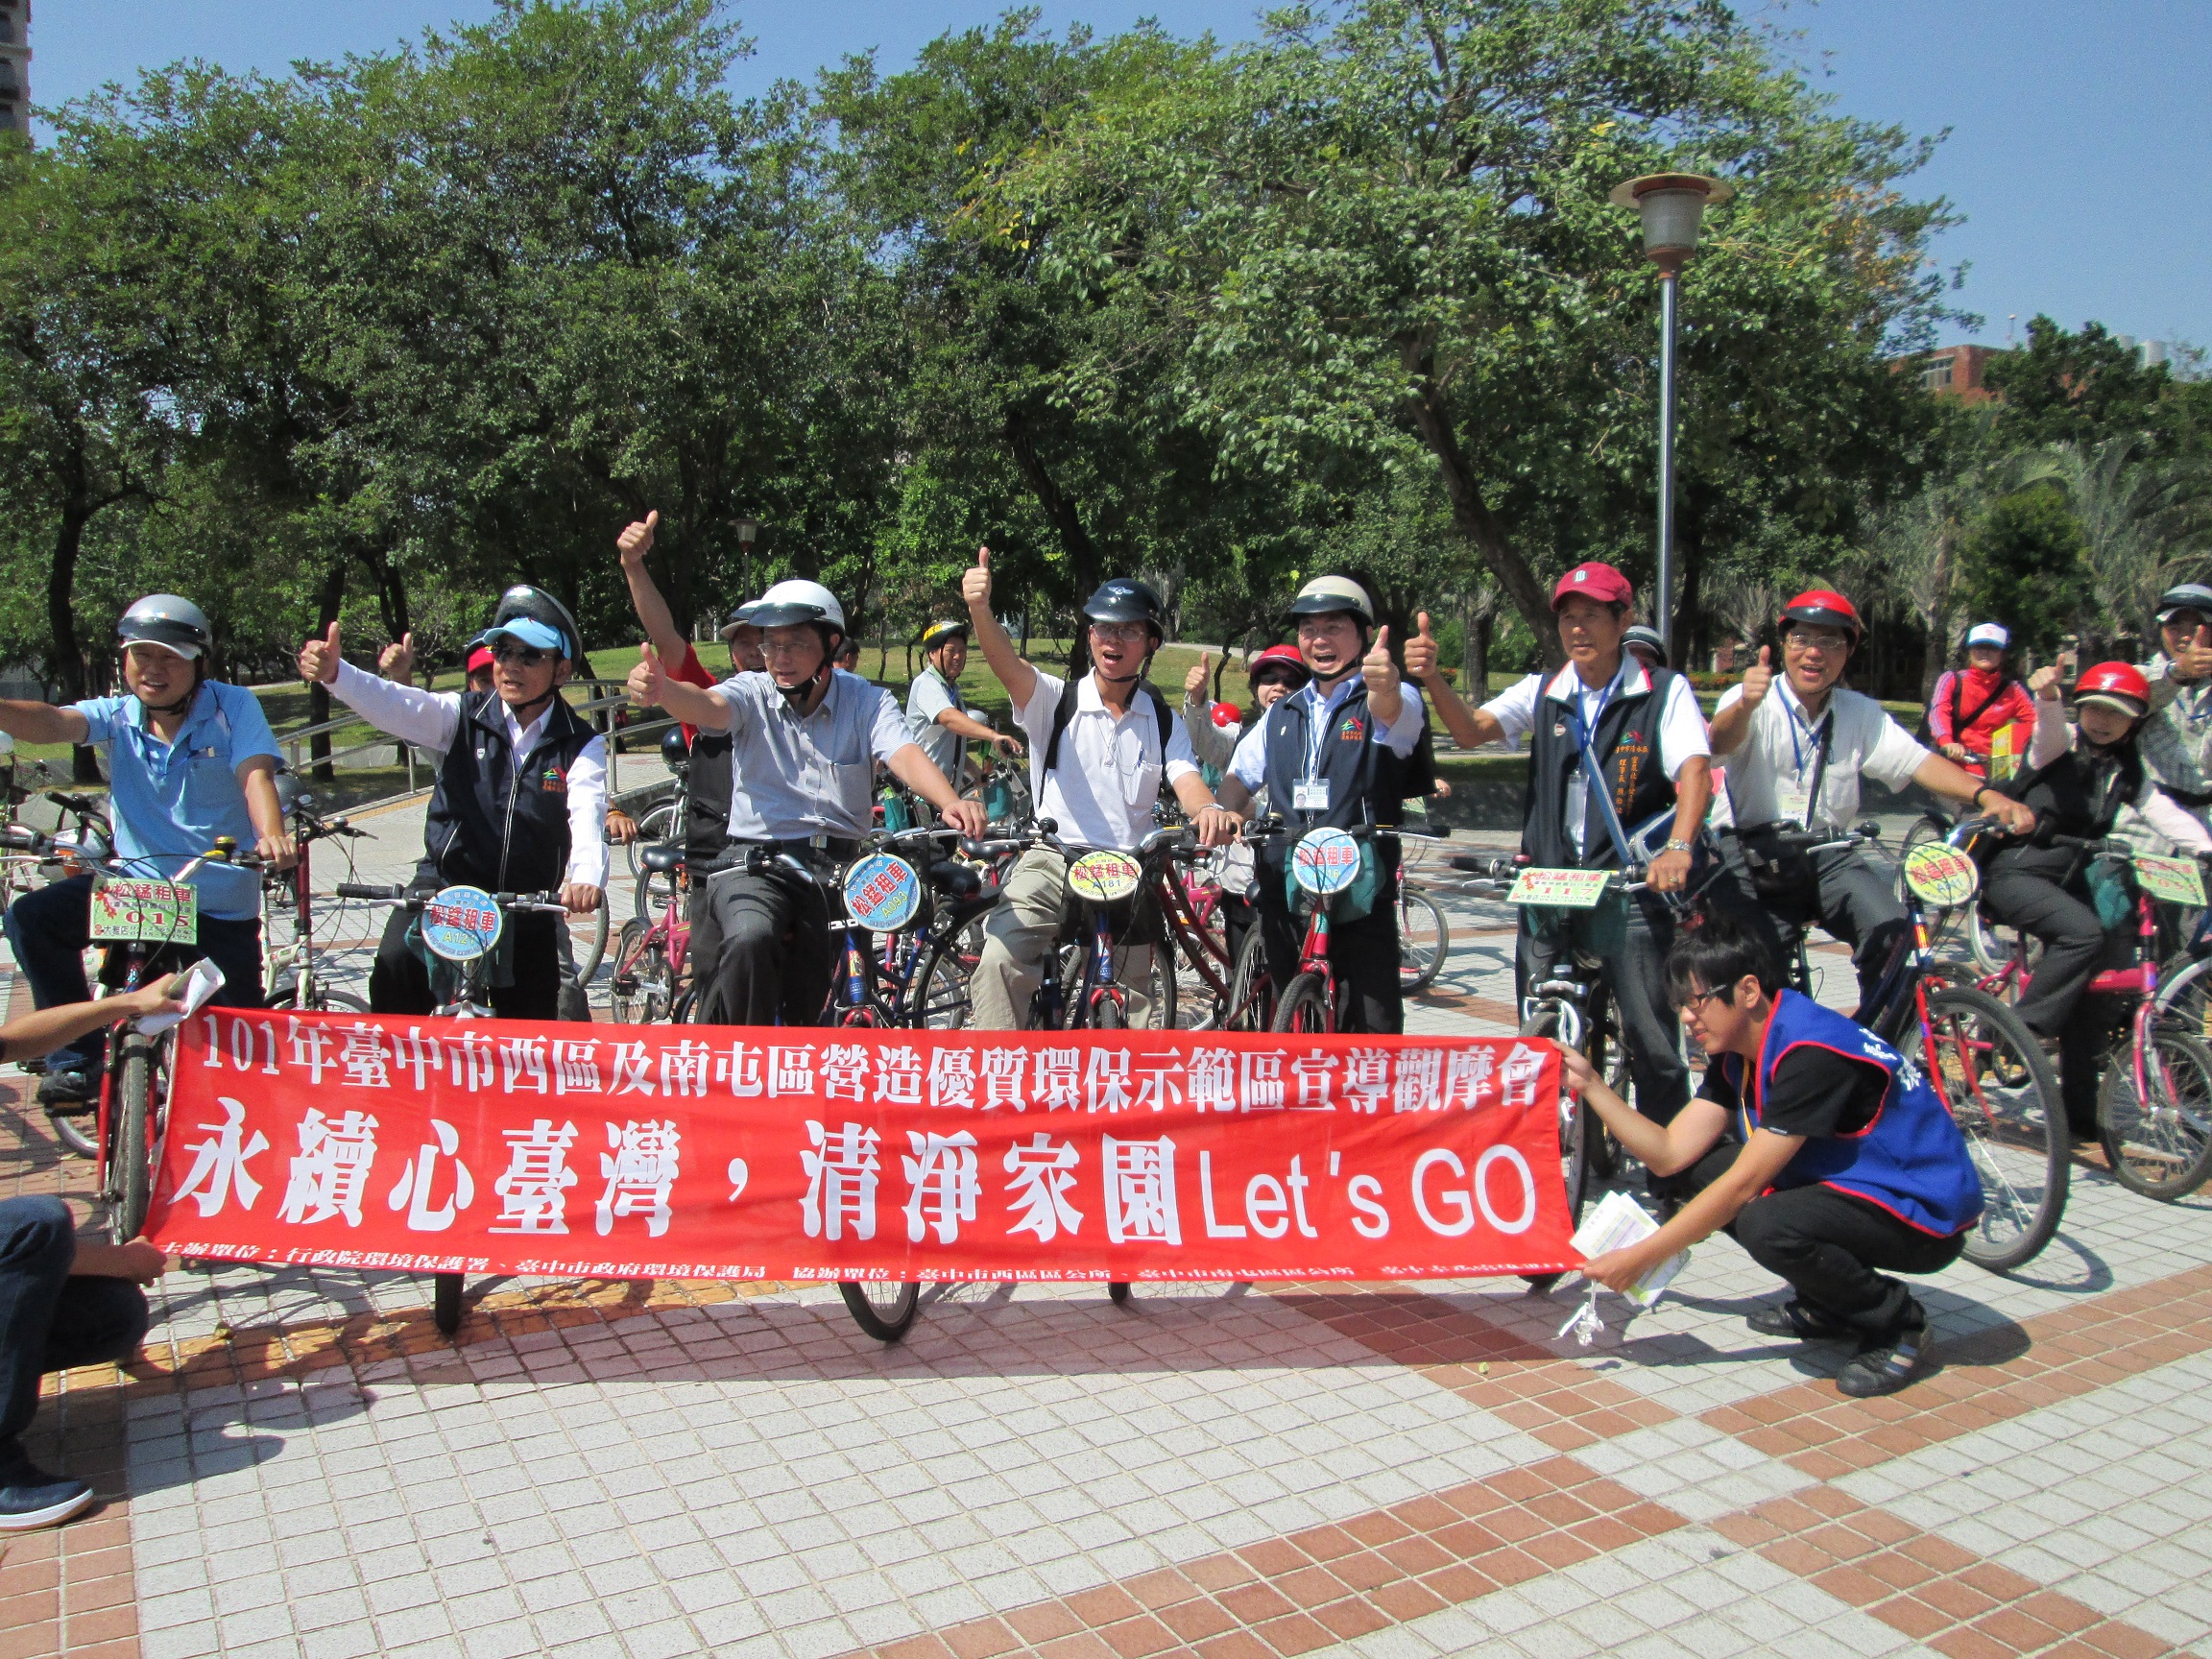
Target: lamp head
{"type": "Point", "coordinates": [1672, 206]}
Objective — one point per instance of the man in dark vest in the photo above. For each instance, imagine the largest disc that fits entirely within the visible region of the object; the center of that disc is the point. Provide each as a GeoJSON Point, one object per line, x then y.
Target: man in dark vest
{"type": "Point", "coordinates": [1637, 731]}
{"type": "Point", "coordinates": [1335, 753]}
{"type": "Point", "coordinates": [708, 785]}
{"type": "Point", "coordinates": [520, 805]}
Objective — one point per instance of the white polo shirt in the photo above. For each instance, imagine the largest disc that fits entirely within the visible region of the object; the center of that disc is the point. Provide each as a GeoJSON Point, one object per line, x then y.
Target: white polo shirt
{"type": "Point", "coordinates": [1770, 772]}
{"type": "Point", "coordinates": [1110, 770]}
{"type": "Point", "coordinates": [1681, 727]}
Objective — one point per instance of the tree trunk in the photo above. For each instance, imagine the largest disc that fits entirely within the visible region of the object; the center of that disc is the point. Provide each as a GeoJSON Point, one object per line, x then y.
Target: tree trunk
{"type": "Point", "coordinates": [62, 614]}
{"type": "Point", "coordinates": [1432, 414]}
{"type": "Point", "coordinates": [318, 694]}
{"type": "Point", "coordinates": [1475, 625]}
{"type": "Point", "coordinates": [1935, 651]}
{"type": "Point", "coordinates": [1057, 506]}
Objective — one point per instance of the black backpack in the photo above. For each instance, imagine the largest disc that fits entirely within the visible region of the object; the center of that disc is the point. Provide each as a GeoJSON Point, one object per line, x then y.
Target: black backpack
{"type": "Point", "coordinates": [1066, 712]}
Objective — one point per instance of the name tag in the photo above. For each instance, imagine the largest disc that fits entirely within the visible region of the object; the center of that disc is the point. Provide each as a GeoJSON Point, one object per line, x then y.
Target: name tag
{"type": "Point", "coordinates": [1792, 800]}
{"type": "Point", "coordinates": [1309, 795]}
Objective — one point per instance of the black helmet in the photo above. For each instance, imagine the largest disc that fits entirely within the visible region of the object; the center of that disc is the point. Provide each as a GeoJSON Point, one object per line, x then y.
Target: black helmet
{"type": "Point", "coordinates": [1648, 637]}
{"type": "Point", "coordinates": [1122, 600]}
{"type": "Point", "coordinates": [675, 753]}
{"type": "Point", "coordinates": [164, 619]}
{"type": "Point", "coordinates": [937, 633]}
{"type": "Point", "coordinates": [555, 631]}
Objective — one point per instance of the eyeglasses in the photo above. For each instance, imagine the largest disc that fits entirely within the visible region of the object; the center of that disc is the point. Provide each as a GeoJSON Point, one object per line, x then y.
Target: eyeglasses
{"type": "Point", "coordinates": [1697, 998]}
{"type": "Point", "coordinates": [527, 656]}
{"type": "Point", "coordinates": [1119, 633]}
{"type": "Point", "coordinates": [1827, 640]}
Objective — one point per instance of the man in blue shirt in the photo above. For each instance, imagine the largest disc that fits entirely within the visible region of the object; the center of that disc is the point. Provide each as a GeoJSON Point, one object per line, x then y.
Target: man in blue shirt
{"type": "Point", "coordinates": [189, 759]}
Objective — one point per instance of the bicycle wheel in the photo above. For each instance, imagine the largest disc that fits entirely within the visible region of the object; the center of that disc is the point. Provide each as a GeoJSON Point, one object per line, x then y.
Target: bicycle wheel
{"type": "Point", "coordinates": [1250, 992]}
{"type": "Point", "coordinates": [2160, 1146]}
{"type": "Point", "coordinates": [588, 940]}
{"type": "Point", "coordinates": [132, 1107]}
{"type": "Point", "coordinates": [1108, 1011]}
{"type": "Point", "coordinates": [1420, 956]}
{"type": "Point", "coordinates": [656, 826]}
{"type": "Point", "coordinates": [76, 1129]}
{"type": "Point", "coordinates": [642, 991]}
{"type": "Point", "coordinates": [879, 1307]}
{"type": "Point", "coordinates": [326, 1000]}
{"type": "Point", "coordinates": [1574, 1130]}
{"type": "Point", "coordinates": [942, 1003]}
{"type": "Point", "coordinates": [1160, 986]}
{"type": "Point", "coordinates": [1609, 1056]}
{"type": "Point", "coordinates": [1304, 1008]}
{"type": "Point", "coordinates": [2005, 1099]}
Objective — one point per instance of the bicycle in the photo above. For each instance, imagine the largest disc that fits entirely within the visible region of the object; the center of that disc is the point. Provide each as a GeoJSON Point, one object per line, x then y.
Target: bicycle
{"type": "Point", "coordinates": [451, 929]}
{"type": "Point", "coordinates": [1323, 863]}
{"type": "Point", "coordinates": [1104, 889]}
{"type": "Point", "coordinates": [1421, 920]}
{"type": "Point", "coordinates": [293, 979]}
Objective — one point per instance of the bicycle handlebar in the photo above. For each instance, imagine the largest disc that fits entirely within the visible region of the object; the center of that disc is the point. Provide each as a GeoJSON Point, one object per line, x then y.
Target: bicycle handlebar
{"type": "Point", "coordinates": [392, 894]}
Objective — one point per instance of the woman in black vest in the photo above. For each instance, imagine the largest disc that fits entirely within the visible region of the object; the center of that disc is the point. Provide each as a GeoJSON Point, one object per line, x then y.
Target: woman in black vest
{"type": "Point", "coordinates": [521, 803]}
{"type": "Point", "coordinates": [2077, 788]}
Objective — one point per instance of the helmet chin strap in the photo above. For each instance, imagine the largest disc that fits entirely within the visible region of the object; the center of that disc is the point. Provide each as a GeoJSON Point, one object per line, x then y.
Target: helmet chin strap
{"type": "Point", "coordinates": [181, 706]}
{"type": "Point", "coordinates": [799, 694]}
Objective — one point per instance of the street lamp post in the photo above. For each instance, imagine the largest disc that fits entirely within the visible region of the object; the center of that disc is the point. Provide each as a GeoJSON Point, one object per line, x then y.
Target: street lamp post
{"type": "Point", "coordinates": [1671, 205]}
{"type": "Point", "coordinates": [747, 529]}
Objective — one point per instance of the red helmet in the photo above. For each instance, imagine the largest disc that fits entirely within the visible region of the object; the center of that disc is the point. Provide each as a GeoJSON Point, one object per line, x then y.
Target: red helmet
{"type": "Point", "coordinates": [1278, 657]}
{"type": "Point", "coordinates": [2118, 684]}
{"type": "Point", "coordinates": [478, 658]}
{"type": "Point", "coordinates": [1225, 716]}
{"type": "Point", "coordinates": [1824, 608]}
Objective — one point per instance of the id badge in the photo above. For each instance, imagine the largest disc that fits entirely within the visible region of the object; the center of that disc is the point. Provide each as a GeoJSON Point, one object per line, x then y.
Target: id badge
{"type": "Point", "coordinates": [1310, 794]}
{"type": "Point", "coordinates": [1792, 800]}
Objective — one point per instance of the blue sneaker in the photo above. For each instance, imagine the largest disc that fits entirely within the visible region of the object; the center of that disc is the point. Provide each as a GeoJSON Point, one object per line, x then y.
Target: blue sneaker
{"type": "Point", "coordinates": [30, 1499]}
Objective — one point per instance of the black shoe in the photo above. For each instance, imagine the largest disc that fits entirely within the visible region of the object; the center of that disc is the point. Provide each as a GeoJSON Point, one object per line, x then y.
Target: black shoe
{"type": "Point", "coordinates": [69, 1088]}
{"type": "Point", "coordinates": [30, 1499]}
{"type": "Point", "coordinates": [1795, 1319]}
{"type": "Point", "coordinates": [1885, 1366]}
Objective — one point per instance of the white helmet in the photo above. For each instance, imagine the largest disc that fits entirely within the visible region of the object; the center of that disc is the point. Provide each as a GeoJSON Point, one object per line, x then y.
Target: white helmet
{"type": "Point", "coordinates": [790, 604]}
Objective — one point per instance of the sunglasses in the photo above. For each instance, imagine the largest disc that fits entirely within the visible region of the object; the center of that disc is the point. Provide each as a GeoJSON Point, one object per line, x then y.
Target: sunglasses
{"type": "Point", "coordinates": [528, 655]}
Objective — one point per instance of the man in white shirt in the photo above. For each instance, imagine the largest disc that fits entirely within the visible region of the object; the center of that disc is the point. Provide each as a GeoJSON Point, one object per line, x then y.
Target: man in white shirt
{"type": "Point", "coordinates": [519, 806]}
{"type": "Point", "coordinates": [1638, 730]}
{"type": "Point", "coordinates": [805, 738]}
{"type": "Point", "coordinates": [1794, 747]}
{"type": "Point", "coordinates": [1099, 751]}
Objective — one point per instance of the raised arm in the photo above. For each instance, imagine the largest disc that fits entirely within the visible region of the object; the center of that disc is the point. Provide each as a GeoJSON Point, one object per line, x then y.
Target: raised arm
{"type": "Point", "coordinates": [42, 722]}
{"type": "Point", "coordinates": [633, 543]}
{"type": "Point", "coordinates": [1732, 720]}
{"type": "Point", "coordinates": [650, 688]}
{"type": "Point", "coordinates": [1015, 675]}
{"type": "Point", "coordinates": [1469, 727]}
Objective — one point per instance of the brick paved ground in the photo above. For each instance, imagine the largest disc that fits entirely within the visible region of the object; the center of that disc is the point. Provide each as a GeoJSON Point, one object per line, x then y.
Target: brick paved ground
{"type": "Point", "coordinates": [301, 1466]}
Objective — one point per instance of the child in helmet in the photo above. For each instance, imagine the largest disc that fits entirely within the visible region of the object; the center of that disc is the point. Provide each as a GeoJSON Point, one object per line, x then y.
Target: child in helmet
{"type": "Point", "coordinates": [2076, 785]}
{"type": "Point", "coordinates": [520, 803]}
{"type": "Point", "coordinates": [189, 759]}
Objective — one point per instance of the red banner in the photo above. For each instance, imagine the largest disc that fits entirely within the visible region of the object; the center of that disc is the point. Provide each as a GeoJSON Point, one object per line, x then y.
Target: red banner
{"type": "Point", "coordinates": [704, 1152]}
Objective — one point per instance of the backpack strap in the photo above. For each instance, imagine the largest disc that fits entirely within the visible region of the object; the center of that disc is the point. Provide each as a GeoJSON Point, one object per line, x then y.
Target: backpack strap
{"type": "Point", "coordinates": [1065, 711]}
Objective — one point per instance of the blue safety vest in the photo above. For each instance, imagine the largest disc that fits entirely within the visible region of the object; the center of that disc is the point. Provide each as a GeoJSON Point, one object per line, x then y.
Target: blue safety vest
{"type": "Point", "coordinates": [1911, 1159]}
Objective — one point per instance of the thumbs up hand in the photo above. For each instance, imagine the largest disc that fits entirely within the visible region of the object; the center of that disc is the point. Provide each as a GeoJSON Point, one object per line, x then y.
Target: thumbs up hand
{"type": "Point", "coordinates": [636, 538]}
{"type": "Point", "coordinates": [319, 658]}
{"type": "Point", "coordinates": [1377, 669]}
{"type": "Point", "coordinates": [397, 662]}
{"type": "Point", "coordinates": [648, 682]}
{"type": "Point", "coordinates": [975, 585]}
{"type": "Point", "coordinates": [1195, 681]}
{"type": "Point", "coordinates": [1758, 679]}
{"type": "Point", "coordinates": [1421, 651]}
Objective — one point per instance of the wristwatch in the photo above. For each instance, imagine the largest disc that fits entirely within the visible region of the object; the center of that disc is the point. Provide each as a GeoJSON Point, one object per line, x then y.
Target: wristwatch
{"type": "Point", "coordinates": [1675, 847]}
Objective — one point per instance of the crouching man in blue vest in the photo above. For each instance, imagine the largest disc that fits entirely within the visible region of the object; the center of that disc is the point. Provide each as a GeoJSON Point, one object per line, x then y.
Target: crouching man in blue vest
{"type": "Point", "coordinates": [1335, 753]}
{"type": "Point", "coordinates": [520, 805]}
{"type": "Point", "coordinates": [1814, 1144]}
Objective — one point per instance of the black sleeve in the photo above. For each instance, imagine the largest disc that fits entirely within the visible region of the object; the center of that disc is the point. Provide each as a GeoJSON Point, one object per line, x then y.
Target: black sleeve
{"type": "Point", "coordinates": [1717, 1088]}
{"type": "Point", "coordinates": [1817, 1092]}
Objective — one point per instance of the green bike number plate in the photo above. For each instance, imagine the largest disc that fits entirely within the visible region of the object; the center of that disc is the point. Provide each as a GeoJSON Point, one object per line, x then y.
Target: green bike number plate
{"type": "Point", "coordinates": [127, 909]}
{"type": "Point", "coordinates": [2176, 880]}
{"type": "Point", "coordinates": [1560, 889]}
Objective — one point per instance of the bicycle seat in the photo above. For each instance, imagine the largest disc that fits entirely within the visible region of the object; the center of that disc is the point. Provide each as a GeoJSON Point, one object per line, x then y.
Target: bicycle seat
{"type": "Point", "coordinates": [954, 880]}
{"type": "Point", "coordinates": [2118, 982]}
{"type": "Point", "coordinates": [660, 860]}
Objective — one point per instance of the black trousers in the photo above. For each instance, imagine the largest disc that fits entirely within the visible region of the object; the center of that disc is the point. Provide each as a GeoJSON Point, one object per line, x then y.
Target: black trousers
{"type": "Point", "coordinates": [1637, 977]}
{"type": "Point", "coordinates": [50, 1321]}
{"type": "Point", "coordinates": [774, 960]}
{"type": "Point", "coordinates": [1363, 953]}
{"type": "Point", "coordinates": [1829, 1245]}
{"type": "Point", "coordinates": [703, 951]}
{"type": "Point", "coordinates": [399, 982]}
{"type": "Point", "coordinates": [1839, 889]}
{"type": "Point", "coordinates": [2026, 893]}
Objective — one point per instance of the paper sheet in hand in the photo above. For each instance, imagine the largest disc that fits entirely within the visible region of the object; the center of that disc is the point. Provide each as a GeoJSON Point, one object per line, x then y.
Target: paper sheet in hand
{"type": "Point", "coordinates": [202, 982]}
{"type": "Point", "coordinates": [1615, 1223]}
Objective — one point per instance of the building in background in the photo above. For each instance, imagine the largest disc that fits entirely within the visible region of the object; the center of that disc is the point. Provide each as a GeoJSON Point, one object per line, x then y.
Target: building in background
{"type": "Point", "coordinates": [1956, 369]}
{"type": "Point", "coordinates": [14, 65]}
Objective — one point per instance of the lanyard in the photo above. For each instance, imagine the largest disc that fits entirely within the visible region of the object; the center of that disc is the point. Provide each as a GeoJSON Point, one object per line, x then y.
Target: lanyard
{"type": "Point", "coordinates": [1594, 790]}
{"type": "Point", "coordinates": [1316, 726]}
{"type": "Point", "coordinates": [1820, 741]}
{"type": "Point", "coordinates": [1583, 732]}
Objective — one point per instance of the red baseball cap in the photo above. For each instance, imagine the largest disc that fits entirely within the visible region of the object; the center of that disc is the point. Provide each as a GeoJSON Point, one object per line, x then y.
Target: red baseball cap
{"type": "Point", "coordinates": [480, 658]}
{"type": "Point", "coordinates": [1592, 581]}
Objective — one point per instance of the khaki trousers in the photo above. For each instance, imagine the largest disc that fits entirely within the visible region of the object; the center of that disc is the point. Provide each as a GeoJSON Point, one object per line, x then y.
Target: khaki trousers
{"type": "Point", "coordinates": [1017, 934]}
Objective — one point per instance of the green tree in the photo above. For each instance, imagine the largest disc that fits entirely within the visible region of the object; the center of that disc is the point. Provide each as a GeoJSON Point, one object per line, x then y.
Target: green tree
{"type": "Point", "coordinates": [2025, 563]}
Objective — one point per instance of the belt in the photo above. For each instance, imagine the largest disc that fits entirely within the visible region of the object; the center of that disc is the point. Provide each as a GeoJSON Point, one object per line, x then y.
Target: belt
{"type": "Point", "coordinates": [819, 846]}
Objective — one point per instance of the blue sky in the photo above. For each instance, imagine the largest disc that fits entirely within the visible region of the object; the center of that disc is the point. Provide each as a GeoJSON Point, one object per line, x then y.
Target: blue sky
{"type": "Point", "coordinates": [2080, 149]}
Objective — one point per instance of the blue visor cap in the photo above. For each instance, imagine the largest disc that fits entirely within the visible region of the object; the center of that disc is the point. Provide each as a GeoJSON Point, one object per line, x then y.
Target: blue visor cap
{"type": "Point", "coordinates": [527, 629]}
